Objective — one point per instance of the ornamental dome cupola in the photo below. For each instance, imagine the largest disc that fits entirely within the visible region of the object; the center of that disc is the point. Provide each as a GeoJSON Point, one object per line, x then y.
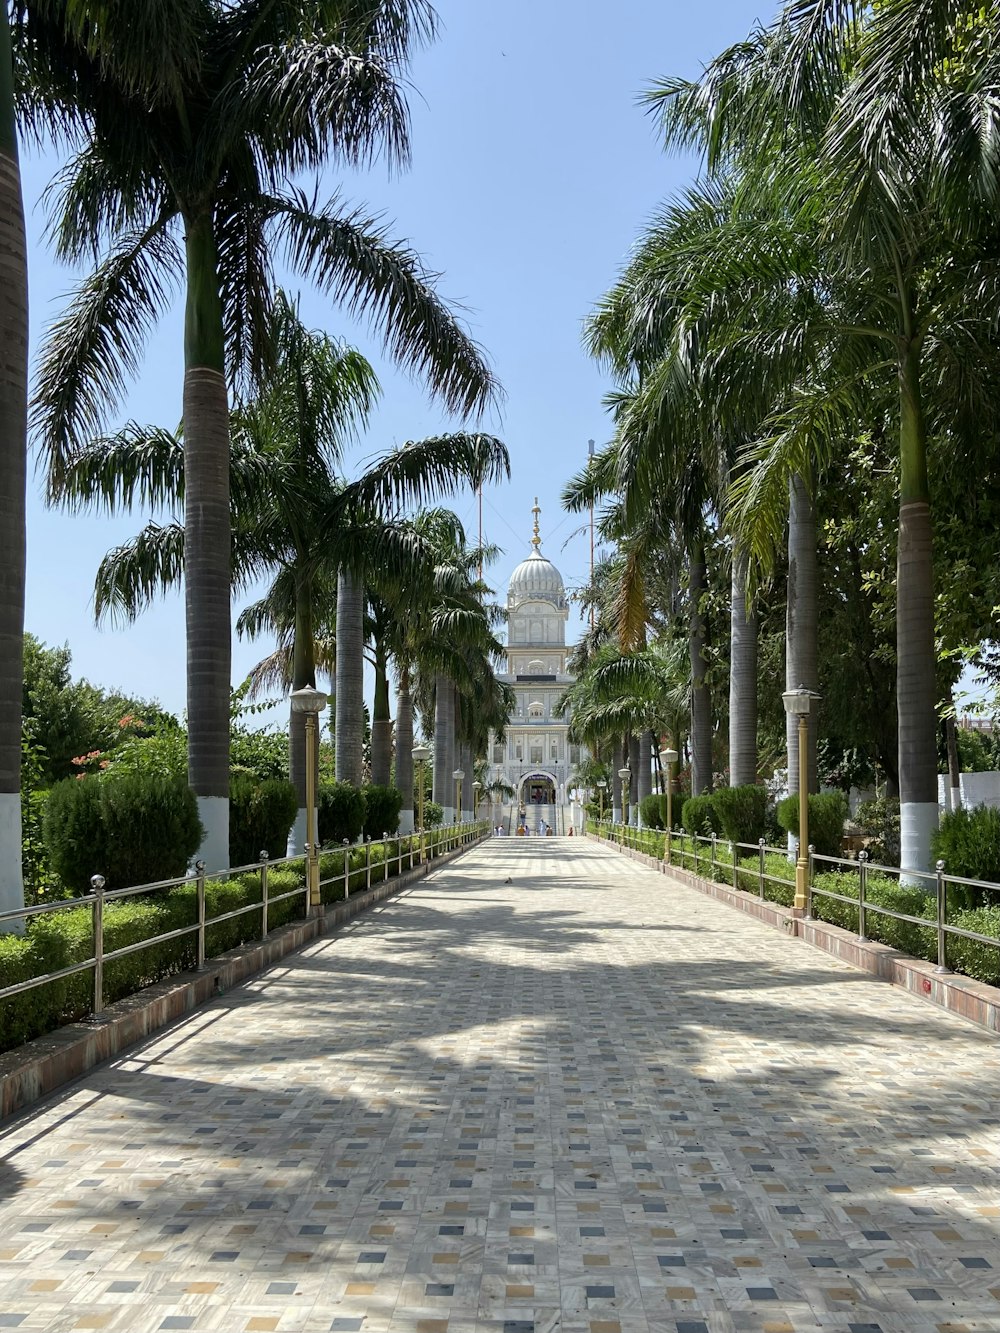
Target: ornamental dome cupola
{"type": "Point", "coordinates": [536, 579]}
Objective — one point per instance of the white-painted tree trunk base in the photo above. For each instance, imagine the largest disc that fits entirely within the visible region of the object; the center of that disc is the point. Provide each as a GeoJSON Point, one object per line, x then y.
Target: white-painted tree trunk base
{"type": "Point", "coordinates": [448, 816]}
{"type": "Point", "coordinates": [11, 879]}
{"type": "Point", "coordinates": [297, 835]}
{"type": "Point", "coordinates": [956, 798]}
{"type": "Point", "coordinates": [918, 821]}
{"type": "Point", "coordinates": [213, 811]}
{"type": "Point", "coordinates": [616, 814]}
{"type": "Point", "coordinates": [406, 824]}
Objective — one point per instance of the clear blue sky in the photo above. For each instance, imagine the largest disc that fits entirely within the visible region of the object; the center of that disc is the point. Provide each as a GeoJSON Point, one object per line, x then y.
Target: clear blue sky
{"type": "Point", "coordinates": [533, 172]}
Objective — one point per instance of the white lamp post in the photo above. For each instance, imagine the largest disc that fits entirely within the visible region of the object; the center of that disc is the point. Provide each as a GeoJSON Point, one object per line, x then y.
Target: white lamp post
{"type": "Point", "coordinates": [601, 785]}
{"type": "Point", "coordinates": [311, 702]}
{"type": "Point", "coordinates": [626, 779]}
{"type": "Point", "coordinates": [798, 703]}
{"type": "Point", "coordinates": [458, 775]}
{"type": "Point", "coordinates": [476, 789]}
{"type": "Point", "coordinates": [668, 758]}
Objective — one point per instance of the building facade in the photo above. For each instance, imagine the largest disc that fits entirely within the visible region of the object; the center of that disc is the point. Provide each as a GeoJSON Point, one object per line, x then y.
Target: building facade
{"type": "Point", "coordinates": [536, 758]}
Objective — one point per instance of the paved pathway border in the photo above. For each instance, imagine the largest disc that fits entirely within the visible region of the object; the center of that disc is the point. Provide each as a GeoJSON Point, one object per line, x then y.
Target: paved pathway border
{"type": "Point", "coordinates": [961, 995]}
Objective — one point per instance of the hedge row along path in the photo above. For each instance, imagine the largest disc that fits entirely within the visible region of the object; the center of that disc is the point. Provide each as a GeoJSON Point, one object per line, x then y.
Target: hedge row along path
{"type": "Point", "coordinates": [545, 1087]}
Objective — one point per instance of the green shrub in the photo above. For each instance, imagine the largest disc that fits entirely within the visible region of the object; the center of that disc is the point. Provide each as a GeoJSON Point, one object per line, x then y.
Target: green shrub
{"type": "Point", "coordinates": [382, 807]}
{"type": "Point", "coordinates": [131, 827]}
{"type": "Point", "coordinates": [699, 817]}
{"type": "Point", "coordinates": [742, 812]}
{"type": "Point", "coordinates": [827, 813]}
{"type": "Point", "coordinates": [916, 941]}
{"type": "Point", "coordinates": [879, 821]}
{"type": "Point", "coordinates": [977, 960]}
{"type": "Point", "coordinates": [779, 888]}
{"type": "Point", "coordinates": [653, 811]}
{"type": "Point", "coordinates": [341, 812]}
{"type": "Point", "coordinates": [433, 814]}
{"type": "Point", "coordinates": [261, 813]}
{"type": "Point", "coordinates": [968, 842]}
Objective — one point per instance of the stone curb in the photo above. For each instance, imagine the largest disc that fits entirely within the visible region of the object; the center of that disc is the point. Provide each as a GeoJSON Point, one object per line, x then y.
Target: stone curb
{"type": "Point", "coordinates": [960, 995]}
{"type": "Point", "coordinates": [37, 1068]}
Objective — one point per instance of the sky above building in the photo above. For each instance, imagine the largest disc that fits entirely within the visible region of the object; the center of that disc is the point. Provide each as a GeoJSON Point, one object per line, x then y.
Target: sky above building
{"type": "Point", "coordinates": [534, 170]}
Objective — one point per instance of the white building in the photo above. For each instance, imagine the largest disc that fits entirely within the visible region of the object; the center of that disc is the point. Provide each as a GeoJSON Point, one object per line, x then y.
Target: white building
{"type": "Point", "coordinates": [536, 758]}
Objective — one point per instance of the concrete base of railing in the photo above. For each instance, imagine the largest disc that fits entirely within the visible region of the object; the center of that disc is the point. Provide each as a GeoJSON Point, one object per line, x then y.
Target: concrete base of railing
{"type": "Point", "coordinates": [960, 995]}
{"type": "Point", "coordinates": [40, 1066]}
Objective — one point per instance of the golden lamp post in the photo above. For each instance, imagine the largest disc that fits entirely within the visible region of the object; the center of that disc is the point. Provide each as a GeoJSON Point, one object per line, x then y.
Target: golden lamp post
{"type": "Point", "coordinates": [798, 703]}
{"type": "Point", "coordinates": [601, 785]}
{"type": "Point", "coordinates": [668, 758]}
{"type": "Point", "coordinates": [458, 775]}
{"type": "Point", "coordinates": [420, 753]}
{"type": "Point", "coordinates": [476, 789]}
{"type": "Point", "coordinates": [310, 703]}
{"type": "Point", "coordinates": [625, 774]}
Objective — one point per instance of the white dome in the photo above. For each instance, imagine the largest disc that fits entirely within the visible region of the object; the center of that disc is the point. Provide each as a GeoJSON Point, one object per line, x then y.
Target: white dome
{"type": "Point", "coordinates": [537, 578]}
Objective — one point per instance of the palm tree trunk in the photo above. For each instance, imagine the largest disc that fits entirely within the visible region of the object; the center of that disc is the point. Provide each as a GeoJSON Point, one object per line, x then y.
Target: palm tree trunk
{"type": "Point", "coordinates": [404, 749]}
{"type": "Point", "coordinates": [13, 452]}
{"type": "Point", "coordinates": [207, 542]}
{"type": "Point", "coordinates": [444, 746]}
{"type": "Point", "coordinates": [645, 783]}
{"type": "Point", "coordinates": [916, 663]}
{"type": "Point", "coordinates": [303, 674]}
{"type": "Point", "coordinates": [801, 622]}
{"type": "Point", "coordinates": [634, 764]}
{"type": "Point", "coordinates": [701, 702]}
{"type": "Point", "coordinates": [617, 757]}
{"type": "Point", "coordinates": [381, 721]}
{"type": "Point", "coordinates": [349, 765]}
{"type": "Point", "coordinates": [742, 680]}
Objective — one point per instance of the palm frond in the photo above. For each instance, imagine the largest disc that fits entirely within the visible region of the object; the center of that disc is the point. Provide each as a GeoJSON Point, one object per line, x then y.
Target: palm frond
{"type": "Point", "coordinates": [131, 576]}
{"type": "Point", "coordinates": [138, 465]}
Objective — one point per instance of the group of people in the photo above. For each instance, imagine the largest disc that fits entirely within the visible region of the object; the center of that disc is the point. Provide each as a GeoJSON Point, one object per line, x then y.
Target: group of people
{"type": "Point", "coordinates": [542, 831]}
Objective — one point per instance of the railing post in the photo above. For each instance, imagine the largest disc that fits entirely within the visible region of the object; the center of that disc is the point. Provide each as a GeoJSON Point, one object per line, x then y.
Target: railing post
{"type": "Point", "coordinates": [735, 855]}
{"type": "Point", "coordinates": [368, 861]}
{"type": "Point", "coordinates": [942, 918]}
{"type": "Point", "coordinates": [712, 862]}
{"type": "Point", "coordinates": [97, 884]}
{"type": "Point", "coordinates": [760, 868]}
{"type": "Point", "coordinates": [263, 858]}
{"type": "Point", "coordinates": [385, 858]}
{"type": "Point", "coordinates": [862, 894]}
{"type": "Point", "coordinates": [810, 853]}
{"type": "Point", "coordinates": [200, 890]}
{"type": "Point", "coordinates": [347, 870]}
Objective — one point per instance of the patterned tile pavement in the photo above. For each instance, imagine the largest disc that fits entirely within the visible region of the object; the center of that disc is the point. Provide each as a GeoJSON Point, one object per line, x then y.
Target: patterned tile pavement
{"type": "Point", "coordinates": [544, 1089]}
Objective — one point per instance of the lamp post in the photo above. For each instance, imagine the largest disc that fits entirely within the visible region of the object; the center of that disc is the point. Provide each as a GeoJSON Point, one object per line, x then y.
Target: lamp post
{"type": "Point", "coordinates": [458, 775]}
{"type": "Point", "coordinates": [626, 778]}
{"type": "Point", "coordinates": [311, 702]}
{"type": "Point", "coordinates": [601, 784]}
{"type": "Point", "coordinates": [668, 758]}
{"type": "Point", "coordinates": [420, 753]}
{"type": "Point", "coordinates": [476, 789]}
{"type": "Point", "coordinates": [798, 703]}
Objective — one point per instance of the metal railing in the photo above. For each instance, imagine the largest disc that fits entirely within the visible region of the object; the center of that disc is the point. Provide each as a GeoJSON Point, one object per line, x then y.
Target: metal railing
{"type": "Point", "coordinates": [711, 855]}
{"type": "Point", "coordinates": [403, 853]}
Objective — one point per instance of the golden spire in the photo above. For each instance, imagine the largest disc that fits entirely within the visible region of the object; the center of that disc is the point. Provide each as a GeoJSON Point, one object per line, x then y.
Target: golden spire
{"type": "Point", "coordinates": [536, 540]}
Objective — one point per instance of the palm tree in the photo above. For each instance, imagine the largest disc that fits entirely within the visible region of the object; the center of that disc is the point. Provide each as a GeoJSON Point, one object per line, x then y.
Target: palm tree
{"type": "Point", "coordinates": [184, 151]}
{"type": "Point", "coordinates": [13, 447]}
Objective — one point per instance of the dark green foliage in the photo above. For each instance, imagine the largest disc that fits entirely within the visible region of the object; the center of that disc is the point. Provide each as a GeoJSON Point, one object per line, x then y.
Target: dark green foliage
{"type": "Point", "coordinates": [779, 877]}
{"type": "Point", "coordinates": [827, 813]}
{"type": "Point", "coordinates": [382, 807]}
{"type": "Point", "coordinates": [433, 814]}
{"type": "Point", "coordinates": [882, 891]}
{"type": "Point", "coordinates": [699, 816]}
{"type": "Point", "coordinates": [132, 828]}
{"type": "Point", "coordinates": [742, 812]}
{"type": "Point", "coordinates": [968, 842]}
{"type": "Point", "coordinates": [260, 816]}
{"type": "Point", "coordinates": [341, 812]}
{"type": "Point", "coordinates": [879, 821]}
{"type": "Point", "coordinates": [981, 961]}
{"type": "Point", "coordinates": [653, 809]}
{"type": "Point", "coordinates": [260, 754]}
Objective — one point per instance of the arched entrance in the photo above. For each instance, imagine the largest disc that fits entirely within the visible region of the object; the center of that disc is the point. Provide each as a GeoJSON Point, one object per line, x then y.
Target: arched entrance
{"type": "Point", "coordinates": [537, 789]}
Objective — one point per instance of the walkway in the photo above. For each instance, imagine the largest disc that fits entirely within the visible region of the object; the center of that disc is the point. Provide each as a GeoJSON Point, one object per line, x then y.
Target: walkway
{"type": "Point", "coordinates": [545, 1089]}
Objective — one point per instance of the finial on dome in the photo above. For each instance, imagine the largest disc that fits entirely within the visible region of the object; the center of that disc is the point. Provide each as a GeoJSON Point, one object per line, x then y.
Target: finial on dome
{"type": "Point", "coordinates": [536, 540]}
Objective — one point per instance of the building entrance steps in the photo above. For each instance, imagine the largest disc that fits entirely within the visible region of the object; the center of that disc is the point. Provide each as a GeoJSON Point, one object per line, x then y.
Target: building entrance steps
{"type": "Point", "coordinates": [543, 1089]}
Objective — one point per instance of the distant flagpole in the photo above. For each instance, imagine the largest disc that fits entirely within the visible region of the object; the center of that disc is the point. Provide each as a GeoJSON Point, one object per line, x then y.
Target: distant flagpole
{"type": "Point", "coordinates": [590, 453]}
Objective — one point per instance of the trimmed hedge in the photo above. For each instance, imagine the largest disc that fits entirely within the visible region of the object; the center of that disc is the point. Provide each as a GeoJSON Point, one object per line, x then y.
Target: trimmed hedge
{"type": "Point", "coordinates": [261, 815]}
{"type": "Point", "coordinates": [699, 816]}
{"type": "Point", "coordinates": [653, 811]}
{"type": "Point", "coordinates": [131, 827]}
{"type": "Point", "coordinates": [968, 842]}
{"type": "Point", "coordinates": [742, 812]}
{"type": "Point", "coordinates": [382, 807]}
{"type": "Point", "coordinates": [340, 813]}
{"type": "Point", "coordinates": [827, 813]}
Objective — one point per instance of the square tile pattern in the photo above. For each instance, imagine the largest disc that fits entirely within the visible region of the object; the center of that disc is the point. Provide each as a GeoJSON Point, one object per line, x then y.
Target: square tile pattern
{"type": "Point", "coordinates": [544, 1089]}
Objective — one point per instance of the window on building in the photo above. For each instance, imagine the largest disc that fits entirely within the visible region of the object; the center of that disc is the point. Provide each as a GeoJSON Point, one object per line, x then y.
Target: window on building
{"type": "Point", "coordinates": [519, 752]}
{"type": "Point", "coordinates": [554, 751]}
{"type": "Point", "coordinates": [536, 754]}
{"type": "Point", "coordinates": [498, 754]}
{"type": "Point", "coordinates": [574, 754]}
{"type": "Point", "coordinates": [535, 709]}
